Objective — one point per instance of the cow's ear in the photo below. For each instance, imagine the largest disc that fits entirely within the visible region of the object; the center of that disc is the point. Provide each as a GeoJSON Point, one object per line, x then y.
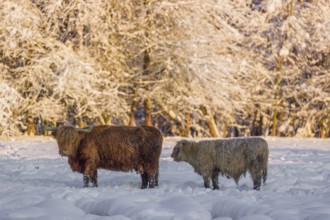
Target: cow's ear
{"type": "Point", "coordinates": [54, 133]}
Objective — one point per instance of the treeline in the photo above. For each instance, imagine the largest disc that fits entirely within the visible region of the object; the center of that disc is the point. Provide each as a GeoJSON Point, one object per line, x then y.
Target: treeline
{"type": "Point", "coordinates": [198, 68]}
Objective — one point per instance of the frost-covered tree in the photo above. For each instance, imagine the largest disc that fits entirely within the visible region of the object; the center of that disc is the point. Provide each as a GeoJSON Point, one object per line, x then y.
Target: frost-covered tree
{"type": "Point", "coordinates": [220, 67]}
{"type": "Point", "coordinates": [9, 110]}
{"type": "Point", "coordinates": [50, 77]}
{"type": "Point", "coordinates": [289, 45]}
{"type": "Point", "coordinates": [186, 47]}
{"type": "Point", "coordinates": [162, 53]}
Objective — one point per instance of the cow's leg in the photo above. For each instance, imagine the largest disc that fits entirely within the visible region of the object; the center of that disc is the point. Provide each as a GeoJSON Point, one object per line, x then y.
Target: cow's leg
{"type": "Point", "coordinates": [215, 180]}
{"type": "Point", "coordinates": [156, 176]}
{"type": "Point", "coordinates": [94, 179]}
{"type": "Point", "coordinates": [90, 174]}
{"type": "Point", "coordinates": [151, 180]}
{"type": "Point", "coordinates": [144, 178]}
{"type": "Point", "coordinates": [149, 176]}
{"type": "Point", "coordinates": [86, 180]}
{"type": "Point", "coordinates": [153, 174]}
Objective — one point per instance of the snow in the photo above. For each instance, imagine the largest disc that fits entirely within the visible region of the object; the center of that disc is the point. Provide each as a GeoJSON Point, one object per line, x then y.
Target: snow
{"type": "Point", "coordinates": [36, 183]}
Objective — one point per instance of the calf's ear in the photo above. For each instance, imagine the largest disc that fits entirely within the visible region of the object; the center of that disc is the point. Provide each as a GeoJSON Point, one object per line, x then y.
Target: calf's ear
{"type": "Point", "coordinates": [185, 146]}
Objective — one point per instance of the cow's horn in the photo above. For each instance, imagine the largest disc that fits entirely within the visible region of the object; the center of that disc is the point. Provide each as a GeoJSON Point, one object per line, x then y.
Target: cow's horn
{"type": "Point", "coordinates": [47, 128]}
{"type": "Point", "coordinates": [84, 130]}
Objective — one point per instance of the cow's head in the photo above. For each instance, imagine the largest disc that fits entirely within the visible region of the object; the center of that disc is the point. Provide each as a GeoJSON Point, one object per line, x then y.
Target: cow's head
{"type": "Point", "coordinates": [67, 138]}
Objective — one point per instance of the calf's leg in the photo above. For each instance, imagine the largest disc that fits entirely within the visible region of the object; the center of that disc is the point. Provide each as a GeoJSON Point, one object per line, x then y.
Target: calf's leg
{"type": "Point", "coordinates": [256, 177]}
{"type": "Point", "coordinates": [256, 183]}
{"type": "Point", "coordinates": [207, 180]}
{"type": "Point", "coordinates": [215, 180]}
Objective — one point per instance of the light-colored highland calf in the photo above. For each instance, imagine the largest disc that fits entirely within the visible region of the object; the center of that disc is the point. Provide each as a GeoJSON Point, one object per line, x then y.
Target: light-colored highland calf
{"type": "Point", "coordinates": [229, 157]}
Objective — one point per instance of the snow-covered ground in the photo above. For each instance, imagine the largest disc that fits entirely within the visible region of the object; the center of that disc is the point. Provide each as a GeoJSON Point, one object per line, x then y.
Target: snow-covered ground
{"type": "Point", "coordinates": [36, 183]}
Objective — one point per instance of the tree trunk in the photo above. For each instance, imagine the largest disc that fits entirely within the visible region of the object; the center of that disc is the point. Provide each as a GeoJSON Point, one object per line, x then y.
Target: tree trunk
{"type": "Point", "coordinates": [224, 129]}
{"type": "Point", "coordinates": [80, 123]}
{"type": "Point", "coordinates": [254, 121]}
{"type": "Point", "coordinates": [31, 127]}
{"type": "Point", "coordinates": [146, 64]}
{"type": "Point", "coordinates": [290, 8]}
{"type": "Point", "coordinates": [256, 129]}
{"type": "Point", "coordinates": [147, 112]}
{"type": "Point", "coordinates": [101, 120]}
{"type": "Point", "coordinates": [132, 115]}
{"type": "Point", "coordinates": [324, 128]}
{"type": "Point", "coordinates": [146, 56]}
{"type": "Point", "coordinates": [274, 126]}
{"type": "Point", "coordinates": [210, 121]}
{"type": "Point", "coordinates": [106, 119]}
{"type": "Point", "coordinates": [292, 124]}
{"type": "Point", "coordinates": [71, 112]}
{"type": "Point", "coordinates": [187, 130]}
{"type": "Point", "coordinates": [49, 124]}
{"type": "Point", "coordinates": [261, 121]}
{"type": "Point", "coordinates": [174, 117]}
{"type": "Point", "coordinates": [277, 97]}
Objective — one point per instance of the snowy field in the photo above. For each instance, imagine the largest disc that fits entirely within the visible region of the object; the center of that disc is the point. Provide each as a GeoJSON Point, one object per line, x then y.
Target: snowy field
{"type": "Point", "coordinates": [36, 183]}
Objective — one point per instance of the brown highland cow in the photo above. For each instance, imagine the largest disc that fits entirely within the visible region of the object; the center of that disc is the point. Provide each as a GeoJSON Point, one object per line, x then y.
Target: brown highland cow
{"type": "Point", "coordinates": [117, 148]}
{"type": "Point", "coordinates": [229, 157]}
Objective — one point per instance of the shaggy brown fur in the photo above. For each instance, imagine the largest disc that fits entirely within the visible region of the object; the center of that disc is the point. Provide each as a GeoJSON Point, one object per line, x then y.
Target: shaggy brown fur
{"type": "Point", "coordinates": [229, 157]}
{"type": "Point", "coordinates": [118, 148]}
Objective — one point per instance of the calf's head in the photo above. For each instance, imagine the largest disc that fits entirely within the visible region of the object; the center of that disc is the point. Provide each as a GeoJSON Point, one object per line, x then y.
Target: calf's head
{"type": "Point", "coordinates": [182, 150]}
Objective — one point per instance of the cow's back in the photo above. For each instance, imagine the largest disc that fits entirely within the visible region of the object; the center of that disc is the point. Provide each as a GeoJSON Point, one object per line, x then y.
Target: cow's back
{"type": "Point", "coordinates": [113, 147]}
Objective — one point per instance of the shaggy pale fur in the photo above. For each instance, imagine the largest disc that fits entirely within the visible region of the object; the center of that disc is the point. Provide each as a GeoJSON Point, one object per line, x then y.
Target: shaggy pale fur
{"type": "Point", "coordinates": [118, 148]}
{"type": "Point", "coordinates": [229, 157]}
